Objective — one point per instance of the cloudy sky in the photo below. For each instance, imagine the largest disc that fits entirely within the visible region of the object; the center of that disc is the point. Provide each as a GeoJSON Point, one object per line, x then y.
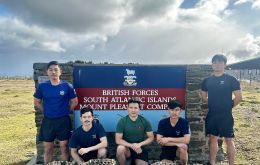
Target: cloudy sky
{"type": "Point", "coordinates": [123, 31]}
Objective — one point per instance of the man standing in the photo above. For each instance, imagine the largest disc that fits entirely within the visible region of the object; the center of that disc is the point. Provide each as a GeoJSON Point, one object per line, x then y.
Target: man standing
{"type": "Point", "coordinates": [217, 91]}
{"type": "Point", "coordinates": [174, 135]}
{"type": "Point", "coordinates": [133, 132]}
{"type": "Point", "coordinates": [89, 140]}
{"type": "Point", "coordinates": [55, 98]}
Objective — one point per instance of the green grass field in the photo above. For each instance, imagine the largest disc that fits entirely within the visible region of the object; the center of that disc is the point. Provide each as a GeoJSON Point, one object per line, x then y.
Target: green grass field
{"type": "Point", "coordinates": [18, 131]}
{"type": "Point", "coordinates": [247, 126]}
{"type": "Point", "coordinates": [17, 125]}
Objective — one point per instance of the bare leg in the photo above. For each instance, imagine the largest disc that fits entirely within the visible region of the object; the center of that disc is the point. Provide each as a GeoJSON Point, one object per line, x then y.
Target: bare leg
{"type": "Point", "coordinates": [182, 153]}
{"type": "Point", "coordinates": [102, 153]}
{"type": "Point", "coordinates": [64, 150]}
{"type": "Point", "coordinates": [140, 162]}
{"type": "Point", "coordinates": [122, 153]}
{"type": "Point", "coordinates": [230, 150]}
{"type": "Point", "coordinates": [48, 151]}
{"type": "Point", "coordinates": [213, 148]}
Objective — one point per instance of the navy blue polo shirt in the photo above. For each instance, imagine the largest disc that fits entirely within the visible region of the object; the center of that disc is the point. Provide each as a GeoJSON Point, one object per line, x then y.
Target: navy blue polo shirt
{"type": "Point", "coordinates": [83, 139]}
{"type": "Point", "coordinates": [179, 130]}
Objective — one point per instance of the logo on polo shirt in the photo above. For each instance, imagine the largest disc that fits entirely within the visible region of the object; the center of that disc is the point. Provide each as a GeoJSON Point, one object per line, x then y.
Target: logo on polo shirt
{"type": "Point", "coordinates": [62, 93]}
{"type": "Point", "coordinates": [178, 133]}
{"type": "Point", "coordinates": [94, 136]}
{"type": "Point", "coordinates": [139, 128]}
{"type": "Point", "coordinates": [222, 82]}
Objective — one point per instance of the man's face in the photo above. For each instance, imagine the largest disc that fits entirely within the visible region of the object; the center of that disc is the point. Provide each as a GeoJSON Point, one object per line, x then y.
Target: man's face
{"type": "Point", "coordinates": [133, 109]}
{"type": "Point", "coordinates": [86, 119]}
{"type": "Point", "coordinates": [54, 72]}
{"type": "Point", "coordinates": [175, 113]}
{"type": "Point", "coordinates": [218, 66]}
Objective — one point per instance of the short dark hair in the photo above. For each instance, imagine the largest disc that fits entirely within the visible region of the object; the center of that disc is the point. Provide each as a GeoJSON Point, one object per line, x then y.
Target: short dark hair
{"type": "Point", "coordinates": [219, 57]}
{"type": "Point", "coordinates": [174, 104]}
{"type": "Point", "coordinates": [84, 110]}
{"type": "Point", "coordinates": [134, 100]}
{"type": "Point", "coordinates": [52, 63]}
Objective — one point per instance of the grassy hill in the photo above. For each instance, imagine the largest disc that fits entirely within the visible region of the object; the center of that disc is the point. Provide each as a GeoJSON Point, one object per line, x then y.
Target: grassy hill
{"type": "Point", "coordinates": [17, 123]}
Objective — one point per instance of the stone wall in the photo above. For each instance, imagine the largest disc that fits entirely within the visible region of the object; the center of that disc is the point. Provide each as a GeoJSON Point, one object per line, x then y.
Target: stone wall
{"type": "Point", "coordinates": [195, 114]}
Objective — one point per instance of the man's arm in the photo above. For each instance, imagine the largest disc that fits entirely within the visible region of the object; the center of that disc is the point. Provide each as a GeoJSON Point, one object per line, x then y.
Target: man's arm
{"type": "Point", "coordinates": [185, 140]}
{"type": "Point", "coordinates": [120, 141]}
{"type": "Point", "coordinates": [147, 141]}
{"type": "Point", "coordinates": [170, 141]}
{"type": "Point", "coordinates": [102, 144]}
{"type": "Point", "coordinates": [38, 104]}
{"type": "Point", "coordinates": [76, 156]}
{"type": "Point", "coordinates": [204, 96]}
{"type": "Point", "coordinates": [137, 146]}
{"type": "Point", "coordinates": [73, 103]}
{"type": "Point", "coordinates": [238, 97]}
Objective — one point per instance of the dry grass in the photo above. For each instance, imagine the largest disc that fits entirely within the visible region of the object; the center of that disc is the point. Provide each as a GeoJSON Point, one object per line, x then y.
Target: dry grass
{"type": "Point", "coordinates": [247, 126]}
{"type": "Point", "coordinates": [17, 125]}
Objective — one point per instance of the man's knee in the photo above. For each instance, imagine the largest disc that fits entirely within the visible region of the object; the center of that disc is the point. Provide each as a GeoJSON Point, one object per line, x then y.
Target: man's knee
{"type": "Point", "coordinates": [64, 146]}
{"type": "Point", "coordinates": [183, 150]}
{"type": "Point", "coordinates": [48, 148]}
{"type": "Point", "coordinates": [120, 149]}
{"type": "Point", "coordinates": [213, 139]}
{"type": "Point", "coordinates": [229, 140]}
{"type": "Point", "coordinates": [102, 153]}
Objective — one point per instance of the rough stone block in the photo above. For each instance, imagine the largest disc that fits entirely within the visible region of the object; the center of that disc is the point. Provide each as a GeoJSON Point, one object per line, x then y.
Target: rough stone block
{"type": "Point", "coordinates": [198, 127]}
{"type": "Point", "coordinates": [193, 87]}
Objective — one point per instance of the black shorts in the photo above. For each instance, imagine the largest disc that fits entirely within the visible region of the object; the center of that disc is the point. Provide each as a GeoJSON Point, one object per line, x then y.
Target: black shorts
{"type": "Point", "coordinates": [168, 153]}
{"type": "Point", "coordinates": [90, 155]}
{"type": "Point", "coordinates": [142, 156]}
{"type": "Point", "coordinates": [220, 125]}
{"type": "Point", "coordinates": [52, 128]}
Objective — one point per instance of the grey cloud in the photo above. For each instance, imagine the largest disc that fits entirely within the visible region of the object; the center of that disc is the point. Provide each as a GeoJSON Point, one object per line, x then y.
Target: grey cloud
{"type": "Point", "coordinates": [150, 9]}
{"type": "Point", "coordinates": [209, 11]}
{"type": "Point", "coordinates": [240, 54]}
{"type": "Point", "coordinates": [247, 47]}
{"type": "Point", "coordinates": [99, 31]}
{"type": "Point", "coordinates": [15, 35]}
{"type": "Point", "coordinates": [170, 44]}
{"type": "Point", "coordinates": [77, 16]}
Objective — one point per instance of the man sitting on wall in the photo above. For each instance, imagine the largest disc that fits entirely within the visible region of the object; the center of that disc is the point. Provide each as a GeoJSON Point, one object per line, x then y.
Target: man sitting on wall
{"type": "Point", "coordinates": [174, 135]}
{"type": "Point", "coordinates": [89, 140]}
{"type": "Point", "coordinates": [133, 132]}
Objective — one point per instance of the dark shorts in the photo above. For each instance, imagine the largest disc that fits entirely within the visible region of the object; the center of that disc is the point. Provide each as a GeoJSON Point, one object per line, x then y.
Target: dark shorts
{"type": "Point", "coordinates": [142, 156]}
{"type": "Point", "coordinates": [52, 128]}
{"type": "Point", "coordinates": [220, 125]}
{"type": "Point", "coordinates": [168, 153]}
{"type": "Point", "coordinates": [91, 155]}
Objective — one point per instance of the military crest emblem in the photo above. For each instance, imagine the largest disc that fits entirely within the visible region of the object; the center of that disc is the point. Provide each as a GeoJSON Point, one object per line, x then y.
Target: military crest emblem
{"type": "Point", "coordinates": [130, 78]}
